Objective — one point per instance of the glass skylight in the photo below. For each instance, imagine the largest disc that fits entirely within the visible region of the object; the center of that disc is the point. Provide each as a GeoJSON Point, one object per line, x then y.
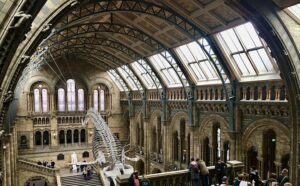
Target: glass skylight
{"type": "Point", "coordinates": [295, 10]}
{"type": "Point", "coordinates": [249, 53]}
{"type": "Point", "coordinates": [197, 62]}
{"type": "Point", "coordinates": [118, 80]}
{"type": "Point", "coordinates": [142, 73]}
{"type": "Point", "coordinates": [129, 77]}
{"type": "Point", "coordinates": [164, 68]}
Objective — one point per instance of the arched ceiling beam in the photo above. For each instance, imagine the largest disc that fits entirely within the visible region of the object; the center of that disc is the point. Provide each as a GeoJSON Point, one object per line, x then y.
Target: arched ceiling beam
{"type": "Point", "coordinates": [94, 60]}
{"type": "Point", "coordinates": [86, 41]}
{"type": "Point", "coordinates": [169, 55]}
{"type": "Point", "coordinates": [76, 15]}
{"type": "Point", "coordinates": [102, 54]}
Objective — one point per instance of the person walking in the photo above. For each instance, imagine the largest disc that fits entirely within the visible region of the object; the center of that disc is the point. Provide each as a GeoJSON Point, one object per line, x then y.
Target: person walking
{"type": "Point", "coordinates": [220, 170]}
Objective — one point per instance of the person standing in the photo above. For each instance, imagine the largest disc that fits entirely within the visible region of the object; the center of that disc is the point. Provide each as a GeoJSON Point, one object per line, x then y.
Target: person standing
{"type": "Point", "coordinates": [220, 170]}
{"type": "Point", "coordinates": [195, 174]}
{"type": "Point", "coordinates": [145, 181]}
{"type": "Point", "coordinates": [253, 176]}
{"type": "Point", "coordinates": [204, 173]}
{"type": "Point", "coordinates": [283, 178]}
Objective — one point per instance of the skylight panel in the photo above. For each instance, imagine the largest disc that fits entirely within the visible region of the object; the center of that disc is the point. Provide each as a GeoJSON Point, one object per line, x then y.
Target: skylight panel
{"type": "Point", "coordinates": [248, 51]}
{"type": "Point", "coordinates": [197, 61]}
{"type": "Point", "coordinates": [143, 75]}
{"type": "Point", "coordinates": [164, 68]}
{"type": "Point", "coordinates": [295, 10]}
{"type": "Point", "coordinates": [127, 78]}
{"type": "Point", "coordinates": [117, 80]}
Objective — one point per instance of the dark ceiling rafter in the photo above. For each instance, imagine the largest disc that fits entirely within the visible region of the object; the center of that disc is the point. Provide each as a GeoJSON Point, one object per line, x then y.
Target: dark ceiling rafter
{"type": "Point", "coordinates": [92, 41]}
{"type": "Point", "coordinates": [114, 62]}
{"type": "Point", "coordinates": [135, 79]}
{"type": "Point", "coordinates": [100, 54]}
{"type": "Point", "coordinates": [120, 79]}
{"type": "Point", "coordinates": [168, 54]}
{"type": "Point", "coordinates": [164, 13]}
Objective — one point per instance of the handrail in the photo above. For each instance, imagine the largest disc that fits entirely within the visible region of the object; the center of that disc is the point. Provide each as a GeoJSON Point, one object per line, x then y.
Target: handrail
{"type": "Point", "coordinates": [28, 165]}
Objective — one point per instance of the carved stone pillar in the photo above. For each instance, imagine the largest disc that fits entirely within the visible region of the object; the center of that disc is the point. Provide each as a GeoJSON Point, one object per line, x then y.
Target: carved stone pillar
{"type": "Point", "coordinates": [167, 149]}
{"type": "Point", "coordinates": [147, 134]}
{"type": "Point", "coordinates": [259, 93]}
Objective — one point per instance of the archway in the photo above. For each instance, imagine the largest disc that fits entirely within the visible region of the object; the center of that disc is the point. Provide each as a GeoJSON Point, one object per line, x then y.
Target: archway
{"type": "Point", "coordinates": [37, 181]}
{"type": "Point", "coordinates": [140, 167]}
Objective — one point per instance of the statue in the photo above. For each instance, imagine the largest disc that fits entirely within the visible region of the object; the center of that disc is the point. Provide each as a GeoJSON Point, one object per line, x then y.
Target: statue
{"type": "Point", "coordinates": [74, 161]}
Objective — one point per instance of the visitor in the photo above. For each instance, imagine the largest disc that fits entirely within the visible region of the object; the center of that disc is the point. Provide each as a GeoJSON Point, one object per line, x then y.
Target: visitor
{"type": "Point", "coordinates": [133, 180]}
{"type": "Point", "coordinates": [224, 181]}
{"type": "Point", "coordinates": [194, 172]}
{"type": "Point", "coordinates": [84, 174]}
{"type": "Point", "coordinates": [144, 181]}
{"type": "Point", "coordinates": [272, 180]}
{"type": "Point", "coordinates": [204, 173]}
{"type": "Point", "coordinates": [283, 178]}
{"type": "Point", "coordinates": [52, 164]}
{"type": "Point", "coordinates": [220, 170]}
{"type": "Point", "coordinates": [238, 180]}
{"type": "Point", "coordinates": [253, 176]}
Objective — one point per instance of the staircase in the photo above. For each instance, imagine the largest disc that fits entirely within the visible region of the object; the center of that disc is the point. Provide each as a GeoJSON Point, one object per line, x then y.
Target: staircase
{"type": "Point", "coordinates": [78, 180]}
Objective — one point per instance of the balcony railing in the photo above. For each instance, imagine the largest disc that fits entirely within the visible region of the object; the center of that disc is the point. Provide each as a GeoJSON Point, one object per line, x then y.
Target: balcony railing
{"type": "Point", "coordinates": [181, 177]}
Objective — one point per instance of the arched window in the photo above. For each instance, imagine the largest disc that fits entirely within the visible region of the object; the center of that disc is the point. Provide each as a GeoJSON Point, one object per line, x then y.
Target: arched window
{"type": "Point", "coordinates": [46, 138]}
{"type": "Point", "coordinates": [71, 95]}
{"type": "Point", "coordinates": [69, 136]}
{"type": "Point", "coordinates": [36, 100]}
{"type": "Point", "coordinates": [61, 137]}
{"type": "Point", "coordinates": [76, 136]}
{"type": "Point", "coordinates": [45, 100]}
{"type": "Point", "coordinates": [216, 141]}
{"type": "Point", "coordinates": [82, 136]}
{"type": "Point", "coordinates": [38, 138]}
{"type": "Point", "coordinates": [23, 142]}
{"type": "Point", "coordinates": [226, 151]}
{"type": "Point", "coordinates": [80, 100]}
{"type": "Point", "coordinates": [95, 100]}
{"type": "Point", "coordinates": [61, 100]}
{"type": "Point", "coordinates": [269, 152]}
{"type": "Point", "coordinates": [102, 100]}
{"type": "Point", "coordinates": [175, 146]}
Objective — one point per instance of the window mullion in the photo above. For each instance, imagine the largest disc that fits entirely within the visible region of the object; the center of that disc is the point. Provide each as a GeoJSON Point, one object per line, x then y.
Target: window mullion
{"type": "Point", "coordinates": [246, 53]}
{"type": "Point", "coordinates": [198, 62]}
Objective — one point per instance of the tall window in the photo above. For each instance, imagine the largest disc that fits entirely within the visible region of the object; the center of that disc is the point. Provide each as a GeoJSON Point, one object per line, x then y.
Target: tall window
{"type": "Point", "coordinates": [40, 99]}
{"type": "Point", "coordinates": [102, 100]}
{"type": "Point", "coordinates": [251, 56]}
{"type": "Point", "coordinates": [99, 99]}
{"type": "Point", "coordinates": [80, 100]}
{"type": "Point", "coordinates": [96, 100]}
{"type": "Point", "coordinates": [36, 100]}
{"type": "Point", "coordinates": [71, 95]}
{"type": "Point", "coordinates": [70, 98]}
{"type": "Point", "coordinates": [61, 100]}
{"type": "Point", "coordinates": [44, 100]}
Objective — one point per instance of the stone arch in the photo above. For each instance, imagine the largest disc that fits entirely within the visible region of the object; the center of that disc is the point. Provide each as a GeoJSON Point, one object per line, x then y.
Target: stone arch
{"type": "Point", "coordinates": [31, 81]}
{"type": "Point", "coordinates": [140, 166]}
{"type": "Point", "coordinates": [37, 180]}
{"type": "Point", "coordinates": [254, 132]}
{"type": "Point", "coordinates": [101, 80]}
{"type": "Point", "coordinates": [156, 170]}
{"type": "Point", "coordinates": [175, 120]}
{"type": "Point", "coordinates": [204, 135]}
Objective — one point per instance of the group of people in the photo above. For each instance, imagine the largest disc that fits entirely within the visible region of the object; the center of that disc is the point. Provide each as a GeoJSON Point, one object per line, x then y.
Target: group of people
{"type": "Point", "coordinates": [50, 164]}
{"type": "Point", "coordinates": [135, 181]}
{"type": "Point", "coordinates": [87, 172]}
{"type": "Point", "coordinates": [252, 179]}
{"type": "Point", "coordinates": [199, 173]}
